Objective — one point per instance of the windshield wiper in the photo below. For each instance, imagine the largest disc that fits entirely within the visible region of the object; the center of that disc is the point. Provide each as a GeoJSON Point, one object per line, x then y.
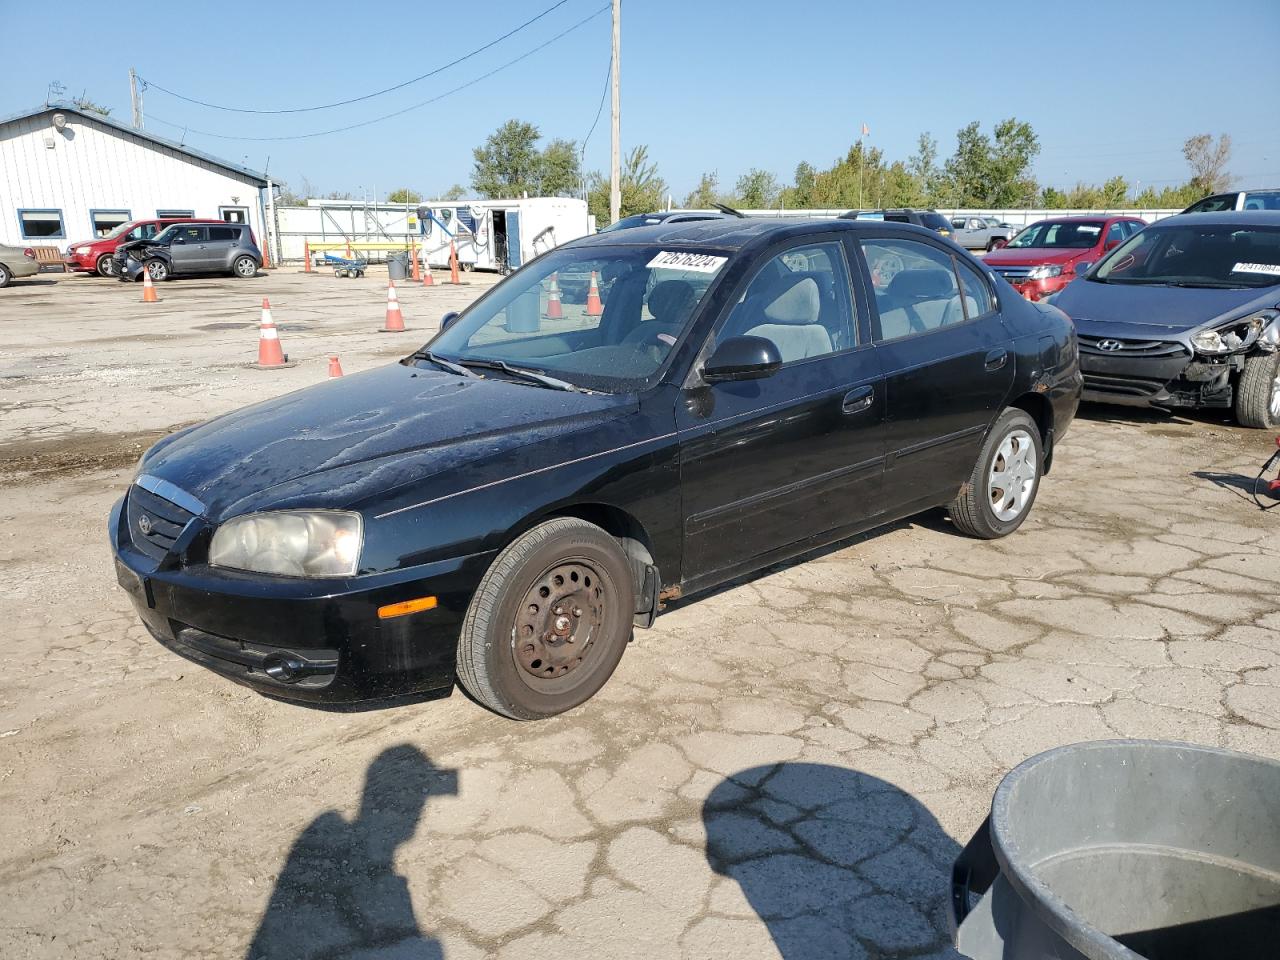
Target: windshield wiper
{"type": "Point", "coordinates": [1209, 284]}
{"type": "Point", "coordinates": [445, 364]}
{"type": "Point", "coordinates": [533, 376]}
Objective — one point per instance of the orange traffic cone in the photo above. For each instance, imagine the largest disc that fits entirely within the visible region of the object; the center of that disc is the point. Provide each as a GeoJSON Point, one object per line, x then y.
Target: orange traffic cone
{"type": "Point", "coordinates": [594, 306]}
{"type": "Point", "coordinates": [417, 267]}
{"type": "Point", "coordinates": [395, 320]}
{"type": "Point", "coordinates": [269, 352]}
{"type": "Point", "coordinates": [335, 368]}
{"type": "Point", "coordinates": [554, 310]}
{"type": "Point", "coordinates": [306, 248]}
{"type": "Point", "coordinates": [427, 279]}
{"type": "Point", "coordinates": [453, 264]}
{"type": "Point", "coordinates": [148, 288]}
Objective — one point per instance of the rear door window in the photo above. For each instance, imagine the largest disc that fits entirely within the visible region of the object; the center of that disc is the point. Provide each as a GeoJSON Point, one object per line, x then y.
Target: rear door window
{"type": "Point", "coordinates": [224, 234]}
{"type": "Point", "coordinates": [915, 287]}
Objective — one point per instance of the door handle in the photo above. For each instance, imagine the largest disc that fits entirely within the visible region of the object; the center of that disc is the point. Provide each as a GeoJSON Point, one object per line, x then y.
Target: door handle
{"type": "Point", "coordinates": [996, 359]}
{"type": "Point", "coordinates": [858, 400]}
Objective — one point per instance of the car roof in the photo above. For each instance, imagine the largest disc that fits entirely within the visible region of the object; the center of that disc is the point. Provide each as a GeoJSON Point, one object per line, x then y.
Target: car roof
{"type": "Point", "coordinates": [735, 233]}
{"type": "Point", "coordinates": [1227, 218]}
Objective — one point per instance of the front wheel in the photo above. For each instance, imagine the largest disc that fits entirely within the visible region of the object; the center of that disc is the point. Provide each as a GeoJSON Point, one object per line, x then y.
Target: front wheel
{"type": "Point", "coordinates": [106, 265]}
{"type": "Point", "coordinates": [158, 270]}
{"type": "Point", "coordinates": [549, 621]}
{"type": "Point", "coordinates": [5, 276]}
{"type": "Point", "coordinates": [245, 267]}
{"type": "Point", "coordinates": [995, 243]}
{"type": "Point", "coordinates": [999, 493]}
{"type": "Point", "coordinates": [1258, 392]}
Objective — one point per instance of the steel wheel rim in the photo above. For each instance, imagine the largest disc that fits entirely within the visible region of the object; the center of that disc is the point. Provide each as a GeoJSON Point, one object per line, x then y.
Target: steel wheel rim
{"type": "Point", "coordinates": [244, 267]}
{"type": "Point", "coordinates": [559, 622]}
{"type": "Point", "coordinates": [1012, 475]}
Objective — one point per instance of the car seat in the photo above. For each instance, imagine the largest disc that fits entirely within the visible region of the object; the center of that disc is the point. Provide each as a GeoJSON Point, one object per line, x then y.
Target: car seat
{"type": "Point", "coordinates": [670, 302]}
{"type": "Point", "coordinates": [916, 301]}
{"type": "Point", "coordinates": [790, 312]}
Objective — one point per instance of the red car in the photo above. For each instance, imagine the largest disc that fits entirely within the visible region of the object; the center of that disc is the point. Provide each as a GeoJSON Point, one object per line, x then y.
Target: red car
{"type": "Point", "coordinates": [1044, 257]}
{"type": "Point", "coordinates": [95, 256]}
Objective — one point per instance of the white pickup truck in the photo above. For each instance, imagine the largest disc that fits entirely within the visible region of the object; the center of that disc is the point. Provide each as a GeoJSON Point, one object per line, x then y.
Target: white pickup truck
{"type": "Point", "coordinates": [981, 233]}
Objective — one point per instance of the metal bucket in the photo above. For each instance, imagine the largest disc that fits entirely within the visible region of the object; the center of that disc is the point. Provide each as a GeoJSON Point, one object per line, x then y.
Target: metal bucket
{"type": "Point", "coordinates": [1125, 849]}
{"type": "Point", "coordinates": [398, 266]}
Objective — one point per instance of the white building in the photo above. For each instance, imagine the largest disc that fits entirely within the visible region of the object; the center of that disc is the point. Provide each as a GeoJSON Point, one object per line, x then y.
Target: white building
{"type": "Point", "coordinates": [69, 175]}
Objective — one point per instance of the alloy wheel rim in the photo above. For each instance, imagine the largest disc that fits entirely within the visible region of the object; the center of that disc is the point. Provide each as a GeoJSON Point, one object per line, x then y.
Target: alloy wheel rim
{"type": "Point", "coordinates": [1275, 396]}
{"type": "Point", "coordinates": [156, 270]}
{"type": "Point", "coordinates": [559, 621]}
{"type": "Point", "coordinates": [1012, 476]}
{"type": "Point", "coordinates": [245, 267]}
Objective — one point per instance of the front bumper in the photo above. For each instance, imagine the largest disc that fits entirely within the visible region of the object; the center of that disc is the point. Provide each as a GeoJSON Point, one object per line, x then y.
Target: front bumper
{"type": "Point", "coordinates": [317, 641]}
{"type": "Point", "coordinates": [84, 262]}
{"type": "Point", "coordinates": [1039, 289]}
{"type": "Point", "coordinates": [1171, 377]}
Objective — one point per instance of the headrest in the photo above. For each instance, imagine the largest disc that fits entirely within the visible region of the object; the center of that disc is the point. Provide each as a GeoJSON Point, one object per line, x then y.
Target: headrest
{"type": "Point", "coordinates": [671, 300]}
{"type": "Point", "coordinates": [798, 303]}
{"type": "Point", "coordinates": [922, 285]}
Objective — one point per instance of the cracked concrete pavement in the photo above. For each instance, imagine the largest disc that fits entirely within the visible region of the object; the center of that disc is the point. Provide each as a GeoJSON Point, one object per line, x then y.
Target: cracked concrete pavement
{"type": "Point", "coordinates": [786, 767]}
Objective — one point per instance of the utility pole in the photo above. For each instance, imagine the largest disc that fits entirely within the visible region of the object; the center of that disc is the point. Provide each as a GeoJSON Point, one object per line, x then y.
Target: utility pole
{"type": "Point", "coordinates": [615, 168]}
{"type": "Point", "coordinates": [135, 97]}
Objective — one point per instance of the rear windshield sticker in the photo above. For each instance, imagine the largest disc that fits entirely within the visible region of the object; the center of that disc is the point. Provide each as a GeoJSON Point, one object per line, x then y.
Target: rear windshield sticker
{"type": "Point", "coordinates": [1271, 268]}
{"type": "Point", "coordinates": [692, 262]}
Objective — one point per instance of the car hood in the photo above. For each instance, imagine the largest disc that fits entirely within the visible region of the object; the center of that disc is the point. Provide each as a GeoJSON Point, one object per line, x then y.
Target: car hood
{"type": "Point", "coordinates": [1171, 309]}
{"type": "Point", "coordinates": [1030, 256]}
{"type": "Point", "coordinates": [398, 424]}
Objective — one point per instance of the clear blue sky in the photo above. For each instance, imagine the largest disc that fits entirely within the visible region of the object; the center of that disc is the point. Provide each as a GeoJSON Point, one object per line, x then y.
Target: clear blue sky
{"type": "Point", "coordinates": [724, 85]}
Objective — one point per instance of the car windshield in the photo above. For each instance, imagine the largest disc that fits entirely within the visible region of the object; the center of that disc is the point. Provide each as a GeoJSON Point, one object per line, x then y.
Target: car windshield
{"type": "Point", "coordinates": [119, 231]}
{"type": "Point", "coordinates": [1066, 234]}
{"type": "Point", "coordinates": [167, 234]}
{"type": "Point", "coordinates": [1191, 255]}
{"type": "Point", "coordinates": [598, 318]}
{"type": "Point", "coordinates": [637, 220]}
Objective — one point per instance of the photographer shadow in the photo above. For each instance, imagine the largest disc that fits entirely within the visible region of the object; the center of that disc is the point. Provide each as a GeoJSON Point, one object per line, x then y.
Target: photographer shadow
{"type": "Point", "coordinates": [837, 863]}
{"type": "Point", "coordinates": [339, 894]}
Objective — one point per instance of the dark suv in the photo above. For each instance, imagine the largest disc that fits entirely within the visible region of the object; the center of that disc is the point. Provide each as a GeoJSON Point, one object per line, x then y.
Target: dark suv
{"type": "Point", "coordinates": [929, 219]}
{"type": "Point", "coordinates": [191, 248]}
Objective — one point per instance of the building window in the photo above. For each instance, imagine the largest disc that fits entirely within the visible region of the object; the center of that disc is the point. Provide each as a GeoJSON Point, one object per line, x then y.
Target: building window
{"type": "Point", "coordinates": [174, 214]}
{"type": "Point", "coordinates": [41, 224]}
{"type": "Point", "coordinates": [234, 214]}
{"type": "Point", "coordinates": [104, 221]}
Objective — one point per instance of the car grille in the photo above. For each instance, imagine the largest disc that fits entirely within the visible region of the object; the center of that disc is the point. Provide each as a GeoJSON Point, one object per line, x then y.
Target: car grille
{"type": "Point", "coordinates": [1132, 348]}
{"type": "Point", "coordinates": [1124, 386]}
{"type": "Point", "coordinates": [1013, 274]}
{"type": "Point", "coordinates": [164, 518]}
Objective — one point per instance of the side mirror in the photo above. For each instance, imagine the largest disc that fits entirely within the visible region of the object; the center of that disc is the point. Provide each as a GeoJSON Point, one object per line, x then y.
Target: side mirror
{"type": "Point", "coordinates": [448, 318]}
{"type": "Point", "coordinates": [1082, 267]}
{"type": "Point", "coordinates": [742, 358]}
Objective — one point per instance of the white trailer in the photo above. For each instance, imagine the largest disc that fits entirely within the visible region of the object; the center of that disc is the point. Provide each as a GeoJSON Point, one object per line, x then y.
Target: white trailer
{"type": "Point", "coordinates": [498, 234]}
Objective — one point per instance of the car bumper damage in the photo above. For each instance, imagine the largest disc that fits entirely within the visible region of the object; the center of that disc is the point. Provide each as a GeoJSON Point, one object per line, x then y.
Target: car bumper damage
{"type": "Point", "coordinates": [1156, 373]}
{"type": "Point", "coordinates": [325, 641]}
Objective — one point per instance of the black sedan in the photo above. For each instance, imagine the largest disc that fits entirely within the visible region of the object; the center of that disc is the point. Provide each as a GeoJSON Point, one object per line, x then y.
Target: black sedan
{"type": "Point", "coordinates": [1186, 313]}
{"type": "Point", "coordinates": [505, 505]}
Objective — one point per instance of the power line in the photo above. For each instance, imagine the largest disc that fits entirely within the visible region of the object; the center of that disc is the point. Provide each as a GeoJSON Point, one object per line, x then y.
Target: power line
{"type": "Point", "coordinates": [397, 113]}
{"type": "Point", "coordinates": [367, 96]}
{"type": "Point", "coordinates": [608, 75]}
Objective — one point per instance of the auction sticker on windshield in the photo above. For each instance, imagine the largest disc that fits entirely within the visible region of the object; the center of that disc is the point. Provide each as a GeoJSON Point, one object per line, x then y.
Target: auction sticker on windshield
{"type": "Point", "coordinates": [1271, 268]}
{"type": "Point", "coordinates": [691, 262]}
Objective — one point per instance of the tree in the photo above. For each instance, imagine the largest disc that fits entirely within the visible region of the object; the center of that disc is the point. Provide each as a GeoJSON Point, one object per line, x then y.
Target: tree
{"type": "Point", "coordinates": [559, 173]}
{"type": "Point", "coordinates": [923, 165]}
{"type": "Point", "coordinates": [1208, 162]}
{"type": "Point", "coordinates": [705, 194]}
{"type": "Point", "coordinates": [456, 192]}
{"type": "Point", "coordinates": [508, 164]}
{"type": "Point", "coordinates": [641, 187]}
{"type": "Point", "coordinates": [756, 189]}
{"type": "Point", "coordinates": [983, 173]}
{"type": "Point", "coordinates": [404, 195]}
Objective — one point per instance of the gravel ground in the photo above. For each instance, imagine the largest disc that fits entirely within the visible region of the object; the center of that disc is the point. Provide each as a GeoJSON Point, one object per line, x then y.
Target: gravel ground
{"type": "Point", "coordinates": [786, 767]}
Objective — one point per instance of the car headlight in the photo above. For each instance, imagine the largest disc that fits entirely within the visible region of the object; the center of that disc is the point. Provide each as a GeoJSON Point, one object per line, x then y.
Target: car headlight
{"type": "Point", "coordinates": [291, 543]}
{"type": "Point", "coordinates": [1261, 328]}
{"type": "Point", "coordinates": [1045, 271]}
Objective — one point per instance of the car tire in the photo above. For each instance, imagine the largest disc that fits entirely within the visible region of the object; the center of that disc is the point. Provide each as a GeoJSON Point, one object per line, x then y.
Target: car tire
{"type": "Point", "coordinates": [244, 267]}
{"type": "Point", "coordinates": [105, 266]}
{"type": "Point", "coordinates": [563, 582]}
{"type": "Point", "coordinates": [995, 243]}
{"type": "Point", "coordinates": [995, 499]}
{"type": "Point", "coordinates": [5, 276]}
{"type": "Point", "coordinates": [158, 269]}
{"type": "Point", "coordinates": [1258, 392]}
